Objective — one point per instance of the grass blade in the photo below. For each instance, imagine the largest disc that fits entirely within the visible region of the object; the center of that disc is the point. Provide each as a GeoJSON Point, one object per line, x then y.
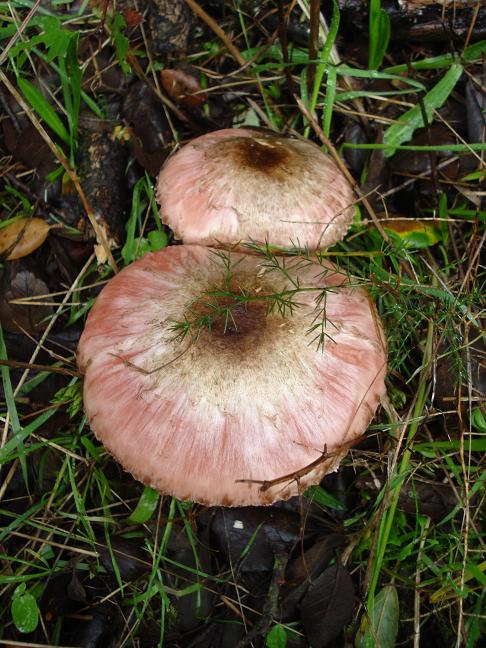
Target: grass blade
{"type": "Point", "coordinates": [43, 108]}
{"type": "Point", "coordinates": [17, 440]}
{"type": "Point", "coordinates": [380, 31]}
{"type": "Point", "coordinates": [326, 53]}
{"type": "Point", "coordinates": [413, 118]}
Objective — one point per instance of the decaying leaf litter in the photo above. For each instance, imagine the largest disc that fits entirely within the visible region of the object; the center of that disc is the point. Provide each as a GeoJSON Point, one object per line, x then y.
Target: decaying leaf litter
{"type": "Point", "coordinates": [390, 548]}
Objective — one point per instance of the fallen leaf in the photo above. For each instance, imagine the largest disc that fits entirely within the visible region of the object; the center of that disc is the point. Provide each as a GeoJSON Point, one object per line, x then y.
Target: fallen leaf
{"type": "Point", "coordinates": [28, 147]}
{"type": "Point", "coordinates": [328, 606]}
{"type": "Point", "coordinates": [183, 88]}
{"type": "Point", "coordinates": [276, 638]}
{"type": "Point", "coordinates": [132, 17]}
{"type": "Point", "coordinates": [384, 619]}
{"type": "Point", "coordinates": [18, 281]}
{"type": "Point", "coordinates": [475, 111]}
{"type": "Point", "coordinates": [253, 535]}
{"type": "Point", "coordinates": [413, 233]}
{"type": "Point", "coordinates": [128, 554]}
{"type": "Point", "coordinates": [303, 570]}
{"type": "Point", "coordinates": [22, 237]}
{"type": "Point", "coordinates": [75, 589]}
{"type": "Point", "coordinates": [144, 111]}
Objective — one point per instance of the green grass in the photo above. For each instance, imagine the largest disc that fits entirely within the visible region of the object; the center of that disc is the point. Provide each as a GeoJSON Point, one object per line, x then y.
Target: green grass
{"type": "Point", "coordinates": [65, 505]}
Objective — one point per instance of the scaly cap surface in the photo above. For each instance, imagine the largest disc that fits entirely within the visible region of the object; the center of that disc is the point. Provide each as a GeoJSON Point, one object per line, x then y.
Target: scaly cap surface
{"type": "Point", "coordinates": [239, 185]}
{"type": "Point", "coordinates": [248, 396]}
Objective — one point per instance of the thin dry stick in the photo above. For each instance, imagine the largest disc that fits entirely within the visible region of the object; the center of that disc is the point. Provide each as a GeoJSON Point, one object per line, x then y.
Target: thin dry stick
{"type": "Point", "coordinates": [293, 476]}
{"type": "Point", "coordinates": [335, 59]}
{"type": "Point", "coordinates": [8, 478]}
{"type": "Point", "coordinates": [431, 154]}
{"type": "Point", "coordinates": [100, 234]}
{"type": "Point", "coordinates": [14, 364]}
{"type": "Point", "coordinates": [52, 322]}
{"type": "Point", "coordinates": [96, 284]}
{"type": "Point", "coordinates": [406, 267]}
{"type": "Point", "coordinates": [448, 125]}
{"type": "Point", "coordinates": [50, 352]}
{"type": "Point", "coordinates": [466, 471]}
{"type": "Point", "coordinates": [315, 8]}
{"type": "Point", "coordinates": [283, 18]}
{"type": "Point", "coordinates": [416, 620]}
{"type": "Point", "coordinates": [327, 142]}
{"type": "Point", "coordinates": [59, 545]}
{"type": "Point", "coordinates": [132, 59]}
{"type": "Point", "coordinates": [473, 22]}
{"type": "Point", "coordinates": [305, 470]}
{"type": "Point", "coordinates": [271, 606]}
{"type": "Point", "coordinates": [29, 644]}
{"type": "Point", "coordinates": [19, 31]}
{"type": "Point", "coordinates": [213, 25]}
{"type": "Point", "coordinates": [413, 178]}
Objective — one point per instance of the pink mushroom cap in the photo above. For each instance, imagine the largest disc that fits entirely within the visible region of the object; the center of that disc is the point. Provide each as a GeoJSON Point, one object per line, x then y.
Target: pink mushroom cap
{"type": "Point", "coordinates": [243, 400]}
{"type": "Point", "coordinates": [241, 185]}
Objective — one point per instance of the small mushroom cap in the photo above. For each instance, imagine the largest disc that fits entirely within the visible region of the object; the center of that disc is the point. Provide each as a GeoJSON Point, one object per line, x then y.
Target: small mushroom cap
{"type": "Point", "coordinates": [213, 416]}
{"type": "Point", "coordinates": [239, 185]}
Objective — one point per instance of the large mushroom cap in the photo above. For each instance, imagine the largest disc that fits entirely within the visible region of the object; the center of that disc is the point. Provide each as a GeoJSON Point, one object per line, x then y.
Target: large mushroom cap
{"type": "Point", "coordinates": [238, 185]}
{"type": "Point", "coordinates": [246, 394]}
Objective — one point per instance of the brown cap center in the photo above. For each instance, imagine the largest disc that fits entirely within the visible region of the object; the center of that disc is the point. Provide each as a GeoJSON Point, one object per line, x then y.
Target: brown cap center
{"type": "Point", "coordinates": [232, 318]}
{"type": "Point", "coordinates": [238, 320]}
{"type": "Point", "coordinates": [256, 153]}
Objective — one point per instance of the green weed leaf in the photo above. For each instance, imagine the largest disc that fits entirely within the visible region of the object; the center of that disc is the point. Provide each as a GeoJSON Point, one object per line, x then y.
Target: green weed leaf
{"type": "Point", "coordinates": [157, 240]}
{"type": "Point", "coordinates": [478, 420]}
{"type": "Point", "coordinates": [17, 439]}
{"type": "Point", "coordinates": [25, 613]}
{"type": "Point", "coordinates": [276, 638]}
{"type": "Point", "coordinates": [384, 619]}
{"type": "Point", "coordinates": [412, 119]}
{"type": "Point", "coordinates": [472, 53]}
{"type": "Point", "coordinates": [55, 38]}
{"type": "Point", "coordinates": [43, 108]}
{"type": "Point", "coordinates": [380, 31]}
{"type": "Point", "coordinates": [71, 78]}
{"type": "Point", "coordinates": [325, 58]}
{"type": "Point", "coordinates": [320, 496]}
{"type": "Point", "coordinates": [120, 41]}
{"type": "Point", "coordinates": [72, 396]}
{"type": "Point", "coordinates": [146, 506]}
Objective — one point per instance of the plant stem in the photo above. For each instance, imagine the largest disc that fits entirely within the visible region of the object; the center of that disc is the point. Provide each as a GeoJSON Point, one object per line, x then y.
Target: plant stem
{"type": "Point", "coordinates": [399, 477]}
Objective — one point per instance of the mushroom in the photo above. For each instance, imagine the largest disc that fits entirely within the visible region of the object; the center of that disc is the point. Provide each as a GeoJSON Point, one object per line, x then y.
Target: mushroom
{"type": "Point", "coordinates": [242, 185]}
{"type": "Point", "coordinates": [205, 379]}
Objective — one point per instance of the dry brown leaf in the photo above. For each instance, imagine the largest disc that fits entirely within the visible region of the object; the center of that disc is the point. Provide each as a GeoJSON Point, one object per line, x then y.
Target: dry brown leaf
{"type": "Point", "coordinates": [19, 281]}
{"type": "Point", "coordinates": [22, 237]}
{"type": "Point", "coordinates": [183, 88]}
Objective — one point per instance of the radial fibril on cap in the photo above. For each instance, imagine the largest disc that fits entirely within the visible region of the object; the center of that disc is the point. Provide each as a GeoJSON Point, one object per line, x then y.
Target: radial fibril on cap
{"type": "Point", "coordinates": [240, 185]}
{"type": "Point", "coordinates": [245, 398]}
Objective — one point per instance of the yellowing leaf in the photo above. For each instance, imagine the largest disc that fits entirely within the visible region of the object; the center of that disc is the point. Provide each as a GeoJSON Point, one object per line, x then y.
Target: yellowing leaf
{"type": "Point", "coordinates": [22, 237]}
{"type": "Point", "coordinates": [413, 233]}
